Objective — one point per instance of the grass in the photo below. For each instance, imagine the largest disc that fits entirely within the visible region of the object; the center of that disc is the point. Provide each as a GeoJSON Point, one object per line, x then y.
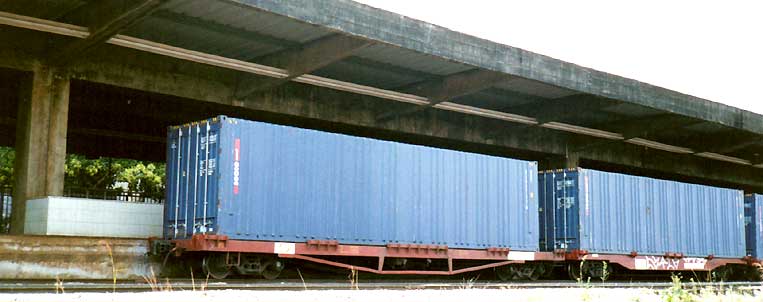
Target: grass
{"type": "Point", "coordinates": [59, 286]}
{"type": "Point", "coordinates": [304, 285]}
{"type": "Point", "coordinates": [353, 277]}
{"type": "Point", "coordinates": [677, 292]}
{"type": "Point", "coordinates": [113, 267]}
{"type": "Point", "coordinates": [468, 283]}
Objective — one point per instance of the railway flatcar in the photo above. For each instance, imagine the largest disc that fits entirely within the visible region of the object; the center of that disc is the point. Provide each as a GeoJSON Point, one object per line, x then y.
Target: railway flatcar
{"type": "Point", "coordinates": [243, 196]}
{"type": "Point", "coordinates": [249, 197]}
{"type": "Point", "coordinates": [598, 219]}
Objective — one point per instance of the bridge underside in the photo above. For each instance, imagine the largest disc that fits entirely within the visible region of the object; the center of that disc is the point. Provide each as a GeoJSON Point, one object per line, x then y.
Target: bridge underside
{"type": "Point", "coordinates": [59, 96]}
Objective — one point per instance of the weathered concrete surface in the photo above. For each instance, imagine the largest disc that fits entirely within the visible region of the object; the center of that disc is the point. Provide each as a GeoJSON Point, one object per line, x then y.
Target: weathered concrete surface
{"type": "Point", "coordinates": [331, 110]}
{"type": "Point", "coordinates": [364, 21]}
{"type": "Point", "coordinates": [40, 139]}
{"type": "Point", "coordinates": [302, 60]}
{"type": "Point", "coordinates": [52, 257]}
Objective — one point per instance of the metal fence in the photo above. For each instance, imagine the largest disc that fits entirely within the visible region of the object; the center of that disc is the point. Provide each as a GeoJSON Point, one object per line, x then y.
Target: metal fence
{"type": "Point", "coordinates": [6, 198]}
{"type": "Point", "coordinates": [117, 195]}
{"type": "Point", "coordinates": [5, 209]}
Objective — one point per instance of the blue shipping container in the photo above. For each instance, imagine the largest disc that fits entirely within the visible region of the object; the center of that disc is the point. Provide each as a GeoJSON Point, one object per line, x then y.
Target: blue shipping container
{"type": "Point", "coordinates": [603, 212]}
{"type": "Point", "coordinates": [753, 222]}
{"type": "Point", "coordinates": [277, 183]}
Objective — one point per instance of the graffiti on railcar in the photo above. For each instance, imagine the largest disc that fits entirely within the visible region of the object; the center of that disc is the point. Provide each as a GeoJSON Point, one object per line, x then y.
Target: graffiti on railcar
{"type": "Point", "coordinates": [664, 263]}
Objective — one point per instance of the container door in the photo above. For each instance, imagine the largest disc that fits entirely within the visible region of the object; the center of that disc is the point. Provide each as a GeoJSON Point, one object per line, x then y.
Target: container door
{"type": "Point", "coordinates": [191, 193]}
{"type": "Point", "coordinates": [753, 224]}
{"type": "Point", "coordinates": [749, 224]}
{"type": "Point", "coordinates": [566, 217]}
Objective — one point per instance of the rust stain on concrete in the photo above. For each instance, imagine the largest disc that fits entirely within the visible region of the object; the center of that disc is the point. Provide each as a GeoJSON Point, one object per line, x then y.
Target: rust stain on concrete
{"type": "Point", "coordinates": [63, 257]}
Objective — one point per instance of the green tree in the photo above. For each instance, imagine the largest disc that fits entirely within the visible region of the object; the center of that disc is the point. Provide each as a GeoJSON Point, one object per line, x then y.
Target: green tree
{"type": "Point", "coordinates": [98, 175]}
{"type": "Point", "coordinates": [146, 179]}
{"type": "Point", "coordinates": [7, 156]}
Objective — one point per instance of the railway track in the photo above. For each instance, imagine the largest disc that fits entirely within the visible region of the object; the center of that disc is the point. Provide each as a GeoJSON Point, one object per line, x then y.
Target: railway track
{"type": "Point", "coordinates": [11, 286]}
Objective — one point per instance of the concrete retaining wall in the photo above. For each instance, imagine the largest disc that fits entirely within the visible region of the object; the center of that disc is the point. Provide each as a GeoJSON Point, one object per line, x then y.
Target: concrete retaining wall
{"type": "Point", "coordinates": [67, 258]}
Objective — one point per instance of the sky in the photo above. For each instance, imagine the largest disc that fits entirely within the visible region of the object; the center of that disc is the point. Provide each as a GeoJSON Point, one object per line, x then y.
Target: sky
{"type": "Point", "coordinates": [708, 49]}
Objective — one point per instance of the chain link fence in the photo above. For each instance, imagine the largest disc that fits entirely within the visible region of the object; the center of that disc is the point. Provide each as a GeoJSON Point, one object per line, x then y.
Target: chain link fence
{"type": "Point", "coordinates": [117, 195]}
{"type": "Point", "coordinates": [5, 209]}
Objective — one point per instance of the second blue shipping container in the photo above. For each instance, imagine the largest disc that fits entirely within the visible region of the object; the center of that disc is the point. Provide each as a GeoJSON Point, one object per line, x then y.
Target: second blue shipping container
{"type": "Point", "coordinates": [603, 212]}
{"type": "Point", "coordinates": [753, 220]}
{"type": "Point", "coordinates": [259, 181]}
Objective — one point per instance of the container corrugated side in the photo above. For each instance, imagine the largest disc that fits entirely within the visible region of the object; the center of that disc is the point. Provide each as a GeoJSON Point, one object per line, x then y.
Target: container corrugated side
{"type": "Point", "coordinates": [604, 212]}
{"type": "Point", "coordinates": [753, 212]}
{"type": "Point", "coordinates": [280, 183]}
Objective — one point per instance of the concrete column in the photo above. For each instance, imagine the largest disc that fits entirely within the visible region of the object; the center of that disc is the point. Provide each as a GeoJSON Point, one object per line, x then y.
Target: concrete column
{"type": "Point", "coordinates": [42, 119]}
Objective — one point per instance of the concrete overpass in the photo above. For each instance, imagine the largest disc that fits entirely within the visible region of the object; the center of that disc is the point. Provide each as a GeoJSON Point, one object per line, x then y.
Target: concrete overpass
{"type": "Point", "coordinates": [105, 78]}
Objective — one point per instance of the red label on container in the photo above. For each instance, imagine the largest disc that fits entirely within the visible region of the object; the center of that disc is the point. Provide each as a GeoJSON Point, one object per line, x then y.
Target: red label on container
{"type": "Point", "coordinates": [236, 164]}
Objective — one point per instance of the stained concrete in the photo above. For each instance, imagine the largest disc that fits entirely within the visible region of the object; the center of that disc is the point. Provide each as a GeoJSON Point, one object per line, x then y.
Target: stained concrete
{"type": "Point", "coordinates": [66, 258]}
{"type": "Point", "coordinates": [40, 139]}
{"type": "Point", "coordinates": [386, 27]}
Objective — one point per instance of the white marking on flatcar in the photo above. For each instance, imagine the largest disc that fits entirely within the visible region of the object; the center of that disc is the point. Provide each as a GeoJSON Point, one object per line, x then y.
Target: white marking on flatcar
{"type": "Point", "coordinates": [526, 256]}
{"type": "Point", "coordinates": [694, 263]}
{"type": "Point", "coordinates": [641, 263]}
{"type": "Point", "coordinates": [284, 248]}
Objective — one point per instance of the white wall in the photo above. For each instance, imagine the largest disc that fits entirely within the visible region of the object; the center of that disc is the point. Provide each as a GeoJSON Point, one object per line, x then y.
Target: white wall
{"type": "Point", "coordinates": [91, 217]}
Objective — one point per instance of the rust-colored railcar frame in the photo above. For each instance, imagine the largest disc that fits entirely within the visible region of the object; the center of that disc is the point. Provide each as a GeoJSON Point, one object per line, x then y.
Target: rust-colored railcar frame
{"type": "Point", "coordinates": [312, 250]}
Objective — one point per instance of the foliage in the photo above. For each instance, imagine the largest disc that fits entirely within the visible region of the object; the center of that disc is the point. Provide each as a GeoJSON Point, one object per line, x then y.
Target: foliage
{"type": "Point", "coordinates": [93, 174]}
{"type": "Point", "coordinates": [98, 174]}
{"type": "Point", "coordinates": [6, 166]}
{"type": "Point", "coordinates": [148, 179]}
{"type": "Point", "coordinates": [677, 293]}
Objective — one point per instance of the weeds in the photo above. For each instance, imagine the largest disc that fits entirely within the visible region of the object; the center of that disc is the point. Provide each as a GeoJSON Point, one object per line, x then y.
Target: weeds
{"type": "Point", "coordinates": [605, 271]}
{"type": "Point", "coordinates": [193, 281]}
{"type": "Point", "coordinates": [303, 279]}
{"type": "Point", "coordinates": [59, 286]}
{"type": "Point", "coordinates": [113, 267]}
{"type": "Point", "coordinates": [156, 284]}
{"type": "Point", "coordinates": [206, 284]}
{"type": "Point", "coordinates": [353, 277]}
{"type": "Point", "coordinates": [586, 286]}
{"type": "Point", "coordinates": [677, 293]}
{"type": "Point", "coordinates": [469, 283]}
{"type": "Point", "coordinates": [152, 281]}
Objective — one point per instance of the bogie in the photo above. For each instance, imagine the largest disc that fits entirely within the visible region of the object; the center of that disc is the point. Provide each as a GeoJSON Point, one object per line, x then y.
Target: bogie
{"type": "Point", "coordinates": [222, 265]}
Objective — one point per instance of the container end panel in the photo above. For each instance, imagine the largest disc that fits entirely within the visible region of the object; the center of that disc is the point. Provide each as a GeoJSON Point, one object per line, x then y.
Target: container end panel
{"type": "Point", "coordinates": [192, 179]}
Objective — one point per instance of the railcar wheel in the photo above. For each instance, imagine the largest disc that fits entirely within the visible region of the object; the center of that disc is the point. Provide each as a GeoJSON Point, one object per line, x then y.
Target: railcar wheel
{"type": "Point", "coordinates": [573, 271]}
{"type": "Point", "coordinates": [272, 269]}
{"type": "Point", "coordinates": [757, 272]}
{"type": "Point", "coordinates": [216, 266]}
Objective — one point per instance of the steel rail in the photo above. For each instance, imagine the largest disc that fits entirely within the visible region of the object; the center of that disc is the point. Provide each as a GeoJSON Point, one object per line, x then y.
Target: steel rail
{"type": "Point", "coordinates": [53, 286]}
{"type": "Point", "coordinates": [263, 70]}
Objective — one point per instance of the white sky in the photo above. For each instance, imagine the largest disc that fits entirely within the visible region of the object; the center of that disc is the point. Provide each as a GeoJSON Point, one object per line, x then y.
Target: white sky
{"type": "Point", "coordinates": [709, 49]}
